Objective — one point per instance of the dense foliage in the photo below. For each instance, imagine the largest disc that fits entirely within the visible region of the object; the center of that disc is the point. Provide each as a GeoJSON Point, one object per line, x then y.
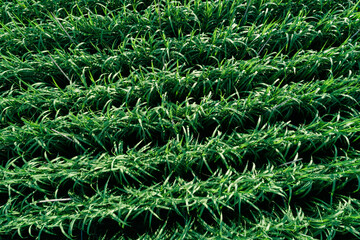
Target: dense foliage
{"type": "Point", "coordinates": [191, 119]}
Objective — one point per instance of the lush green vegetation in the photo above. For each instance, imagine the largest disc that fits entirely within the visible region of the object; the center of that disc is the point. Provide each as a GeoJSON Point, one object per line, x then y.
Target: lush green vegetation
{"type": "Point", "coordinates": [191, 119]}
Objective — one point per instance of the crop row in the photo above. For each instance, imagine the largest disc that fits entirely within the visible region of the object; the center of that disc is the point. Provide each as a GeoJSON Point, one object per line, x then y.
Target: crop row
{"type": "Point", "coordinates": [85, 69]}
{"type": "Point", "coordinates": [273, 102]}
{"type": "Point", "coordinates": [206, 15]}
{"type": "Point", "coordinates": [289, 35]}
{"type": "Point", "coordinates": [277, 143]}
{"type": "Point", "coordinates": [229, 197]}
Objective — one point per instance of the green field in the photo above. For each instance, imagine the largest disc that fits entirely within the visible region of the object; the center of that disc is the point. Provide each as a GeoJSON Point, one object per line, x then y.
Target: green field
{"type": "Point", "coordinates": [191, 119]}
